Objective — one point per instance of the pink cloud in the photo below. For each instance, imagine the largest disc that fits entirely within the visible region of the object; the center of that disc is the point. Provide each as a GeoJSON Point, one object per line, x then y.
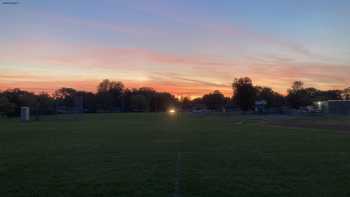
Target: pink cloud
{"type": "Point", "coordinates": [189, 75]}
{"type": "Point", "coordinates": [61, 54]}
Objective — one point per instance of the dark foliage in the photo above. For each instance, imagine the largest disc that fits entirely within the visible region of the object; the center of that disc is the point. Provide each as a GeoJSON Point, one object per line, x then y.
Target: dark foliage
{"type": "Point", "coordinates": [214, 101]}
{"type": "Point", "coordinates": [244, 93]}
{"type": "Point", "coordinates": [346, 94]}
{"type": "Point", "coordinates": [298, 96]}
{"type": "Point", "coordinates": [6, 107]}
{"type": "Point", "coordinates": [146, 99]}
{"type": "Point", "coordinates": [111, 96]}
{"type": "Point", "coordinates": [186, 104]}
{"type": "Point", "coordinates": [65, 97]}
{"type": "Point", "coordinates": [18, 98]}
{"type": "Point", "coordinates": [273, 99]}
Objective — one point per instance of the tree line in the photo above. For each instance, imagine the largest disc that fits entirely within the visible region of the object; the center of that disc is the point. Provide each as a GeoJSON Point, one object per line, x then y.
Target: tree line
{"type": "Point", "coordinates": [112, 96]}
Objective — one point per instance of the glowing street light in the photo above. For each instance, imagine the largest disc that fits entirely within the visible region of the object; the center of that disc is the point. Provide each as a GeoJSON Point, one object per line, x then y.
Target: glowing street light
{"type": "Point", "coordinates": [172, 111]}
{"type": "Point", "coordinates": [319, 105]}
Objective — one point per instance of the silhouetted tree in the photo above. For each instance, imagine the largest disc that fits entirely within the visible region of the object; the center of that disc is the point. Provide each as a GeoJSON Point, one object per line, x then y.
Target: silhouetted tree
{"type": "Point", "coordinates": [20, 98]}
{"type": "Point", "coordinates": [147, 99]}
{"type": "Point", "coordinates": [161, 101]}
{"type": "Point", "coordinates": [109, 95]}
{"type": "Point", "coordinates": [89, 101]}
{"type": "Point", "coordinates": [297, 85]}
{"type": "Point", "coordinates": [186, 104]}
{"type": "Point", "coordinates": [45, 104]}
{"type": "Point", "coordinates": [198, 104]}
{"type": "Point", "coordinates": [346, 94]}
{"type": "Point", "coordinates": [244, 93]}
{"type": "Point", "coordinates": [6, 107]}
{"type": "Point", "coordinates": [65, 97]}
{"type": "Point", "coordinates": [147, 93]}
{"type": "Point", "coordinates": [272, 98]}
{"type": "Point", "coordinates": [298, 96]}
{"type": "Point", "coordinates": [138, 103]}
{"type": "Point", "coordinates": [214, 101]}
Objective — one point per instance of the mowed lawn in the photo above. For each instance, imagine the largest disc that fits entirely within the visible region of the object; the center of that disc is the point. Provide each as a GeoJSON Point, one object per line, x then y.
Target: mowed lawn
{"type": "Point", "coordinates": [162, 155]}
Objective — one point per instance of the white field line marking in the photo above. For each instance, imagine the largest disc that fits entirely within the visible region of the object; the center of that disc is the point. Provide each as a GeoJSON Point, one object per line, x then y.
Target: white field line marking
{"type": "Point", "coordinates": [177, 192]}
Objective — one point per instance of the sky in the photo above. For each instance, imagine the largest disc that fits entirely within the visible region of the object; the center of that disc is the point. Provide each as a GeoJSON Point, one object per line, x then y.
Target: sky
{"type": "Point", "coordinates": [186, 47]}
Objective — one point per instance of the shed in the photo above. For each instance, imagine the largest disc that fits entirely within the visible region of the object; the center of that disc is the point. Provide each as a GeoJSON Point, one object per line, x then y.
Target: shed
{"type": "Point", "coordinates": [339, 107]}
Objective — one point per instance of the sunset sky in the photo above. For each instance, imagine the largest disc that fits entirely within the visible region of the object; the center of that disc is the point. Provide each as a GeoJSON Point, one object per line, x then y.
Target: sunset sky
{"type": "Point", "coordinates": [186, 47]}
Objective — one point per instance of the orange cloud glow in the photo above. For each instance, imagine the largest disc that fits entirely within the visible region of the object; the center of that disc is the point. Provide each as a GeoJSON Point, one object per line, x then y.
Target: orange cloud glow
{"type": "Point", "coordinates": [46, 66]}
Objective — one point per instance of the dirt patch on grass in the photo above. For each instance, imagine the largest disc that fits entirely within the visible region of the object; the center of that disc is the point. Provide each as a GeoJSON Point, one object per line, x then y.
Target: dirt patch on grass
{"type": "Point", "coordinates": [340, 125]}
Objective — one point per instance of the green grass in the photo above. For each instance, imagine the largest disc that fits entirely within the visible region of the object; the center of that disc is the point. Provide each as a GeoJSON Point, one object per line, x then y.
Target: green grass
{"type": "Point", "coordinates": [136, 155]}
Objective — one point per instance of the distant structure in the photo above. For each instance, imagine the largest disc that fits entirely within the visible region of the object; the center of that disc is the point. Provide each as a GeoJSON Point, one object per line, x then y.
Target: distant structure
{"type": "Point", "coordinates": [78, 104]}
{"type": "Point", "coordinates": [25, 113]}
{"type": "Point", "coordinates": [199, 108]}
{"type": "Point", "coordinates": [339, 107]}
{"type": "Point", "coordinates": [76, 107]}
{"type": "Point", "coordinates": [260, 106]}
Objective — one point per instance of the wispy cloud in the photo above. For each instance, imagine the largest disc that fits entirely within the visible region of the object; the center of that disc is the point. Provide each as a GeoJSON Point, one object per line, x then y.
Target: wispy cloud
{"type": "Point", "coordinates": [195, 74]}
{"type": "Point", "coordinates": [108, 57]}
{"type": "Point", "coordinates": [85, 24]}
{"type": "Point", "coordinates": [222, 29]}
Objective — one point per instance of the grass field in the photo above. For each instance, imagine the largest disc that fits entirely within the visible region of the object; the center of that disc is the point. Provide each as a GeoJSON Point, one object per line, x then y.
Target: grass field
{"type": "Point", "coordinates": [185, 155]}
